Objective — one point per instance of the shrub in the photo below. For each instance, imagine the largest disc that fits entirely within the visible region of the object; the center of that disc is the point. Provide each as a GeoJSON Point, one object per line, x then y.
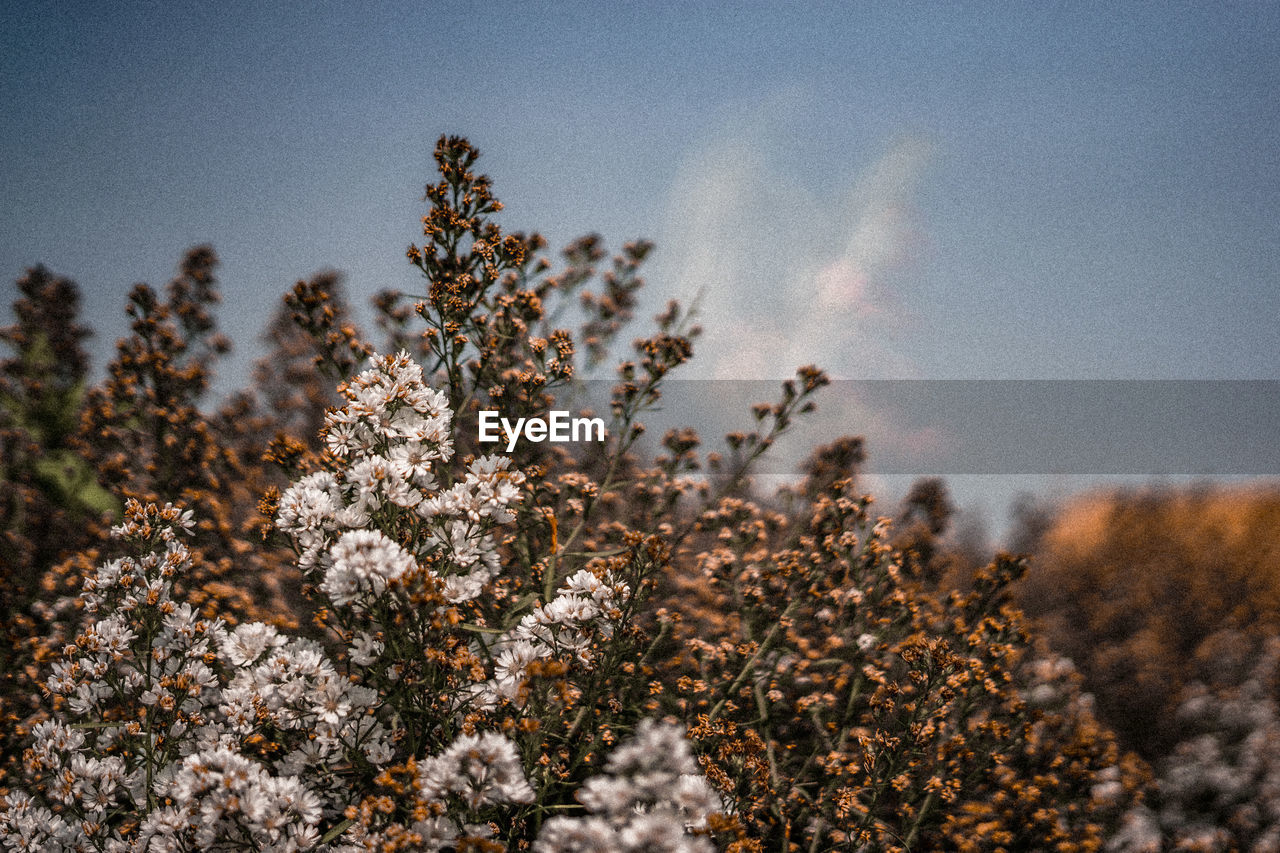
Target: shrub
{"type": "Point", "coordinates": [542, 649]}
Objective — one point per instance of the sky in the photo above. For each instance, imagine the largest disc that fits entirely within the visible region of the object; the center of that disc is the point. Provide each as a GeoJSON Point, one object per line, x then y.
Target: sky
{"type": "Point", "coordinates": [966, 191]}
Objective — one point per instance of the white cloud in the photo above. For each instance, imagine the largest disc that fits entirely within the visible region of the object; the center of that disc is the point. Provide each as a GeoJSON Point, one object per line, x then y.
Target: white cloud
{"type": "Point", "coordinates": [782, 277]}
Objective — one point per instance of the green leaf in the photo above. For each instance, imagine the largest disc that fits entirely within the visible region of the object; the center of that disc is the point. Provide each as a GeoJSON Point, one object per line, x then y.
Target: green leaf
{"type": "Point", "coordinates": [337, 830]}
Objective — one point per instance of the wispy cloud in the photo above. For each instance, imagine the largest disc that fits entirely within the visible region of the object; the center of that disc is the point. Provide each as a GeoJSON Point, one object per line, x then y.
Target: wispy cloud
{"type": "Point", "coordinates": [787, 271]}
{"type": "Point", "coordinates": [785, 277]}
{"type": "Point", "coordinates": [883, 235]}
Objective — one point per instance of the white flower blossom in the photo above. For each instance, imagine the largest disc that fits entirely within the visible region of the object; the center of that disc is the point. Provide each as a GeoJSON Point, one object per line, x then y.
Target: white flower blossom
{"type": "Point", "coordinates": [481, 769]}
{"type": "Point", "coordinates": [363, 561]}
{"type": "Point", "coordinates": [650, 798]}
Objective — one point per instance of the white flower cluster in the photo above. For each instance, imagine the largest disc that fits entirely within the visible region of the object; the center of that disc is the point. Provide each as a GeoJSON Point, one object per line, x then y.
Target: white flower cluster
{"type": "Point", "coordinates": [474, 773]}
{"type": "Point", "coordinates": [222, 800]}
{"type": "Point", "coordinates": [166, 697]}
{"type": "Point", "coordinates": [584, 610]}
{"type": "Point", "coordinates": [177, 733]}
{"type": "Point", "coordinates": [480, 769]}
{"type": "Point", "coordinates": [391, 433]}
{"type": "Point", "coordinates": [364, 561]}
{"type": "Point", "coordinates": [291, 684]}
{"type": "Point", "coordinates": [138, 642]}
{"type": "Point", "coordinates": [1049, 680]}
{"type": "Point", "coordinates": [650, 798]}
{"type": "Point", "coordinates": [31, 828]}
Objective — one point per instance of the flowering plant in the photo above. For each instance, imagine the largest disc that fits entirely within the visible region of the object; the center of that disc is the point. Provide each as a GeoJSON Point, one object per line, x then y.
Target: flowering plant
{"type": "Point", "coordinates": [179, 731]}
{"type": "Point", "coordinates": [543, 649]}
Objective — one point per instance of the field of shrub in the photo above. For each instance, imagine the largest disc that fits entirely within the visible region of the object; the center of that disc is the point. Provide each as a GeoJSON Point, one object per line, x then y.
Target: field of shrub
{"type": "Point", "coordinates": [320, 615]}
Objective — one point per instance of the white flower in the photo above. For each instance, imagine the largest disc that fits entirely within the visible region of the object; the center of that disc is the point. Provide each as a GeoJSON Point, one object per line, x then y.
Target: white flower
{"type": "Point", "coordinates": [376, 478]}
{"type": "Point", "coordinates": [342, 436]}
{"type": "Point", "coordinates": [413, 461]}
{"type": "Point", "coordinates": [309, 504]}
{"type": "Point", "coordinates": [481, 769]}
{"type": "Point", "coordinates": [378, 751]}
{"type": "Point", "coordinates": [248, 642]}
{"type": "Point", "coordinates": [510, 665]}
{"type": "Point", "coordinates": [111, 636]}
{"type": "Point", "coordinates": [365, 649]}
{"type": "Point", "coordinates": [577, 835]}
{"type": "Point", "coordinates": [658, 832]}
{"type": "Point", "coordinates": [437, 833]}
{"type": "Point", "coordinates": [650, 798]}
{"type": "Point", "coordinates": [364, 561]}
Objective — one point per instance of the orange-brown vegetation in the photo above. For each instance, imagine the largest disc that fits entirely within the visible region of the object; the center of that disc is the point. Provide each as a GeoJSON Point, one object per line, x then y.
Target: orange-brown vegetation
{"type": "Point", "coordinates": [1150, 591]}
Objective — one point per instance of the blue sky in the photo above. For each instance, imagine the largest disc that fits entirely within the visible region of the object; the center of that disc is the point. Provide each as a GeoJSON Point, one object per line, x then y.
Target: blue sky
{"type": "Point", "coordinates": [890, 190]}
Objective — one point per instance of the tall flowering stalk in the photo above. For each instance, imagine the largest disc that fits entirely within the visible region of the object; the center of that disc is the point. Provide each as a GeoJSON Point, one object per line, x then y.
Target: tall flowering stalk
{"type": "Point", "coordinates": [468, 661]}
